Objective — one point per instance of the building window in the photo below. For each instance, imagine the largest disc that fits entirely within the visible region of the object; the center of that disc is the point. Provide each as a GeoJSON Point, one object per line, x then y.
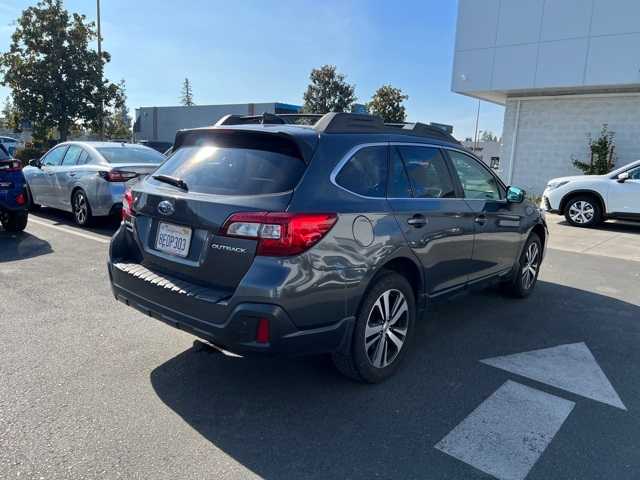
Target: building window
{"type": "Point", "coordinates": [495, 163]}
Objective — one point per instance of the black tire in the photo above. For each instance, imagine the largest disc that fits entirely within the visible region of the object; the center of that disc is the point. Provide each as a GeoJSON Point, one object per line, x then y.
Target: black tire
{"type": "Point", "coordinates": [81, 209]}
{"type": "Point", "coordinates": [33, 206]}
{"type": "Point", "coordinates": [15, 221]}
{"type": "Point", "coordinates": [583, 211]}
{"type": "Point", "coordinates": [523, 282]}
{"type": "Point", "coordinates": [359, 362]}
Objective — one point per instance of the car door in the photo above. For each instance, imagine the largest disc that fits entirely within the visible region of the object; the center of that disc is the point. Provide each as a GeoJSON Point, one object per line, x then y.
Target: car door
{"type": "Point", "coordinates": [65, 178]}
{"type": "Point", "coordinates": [496, 222]}
{"type": "Point", "coordinates": [43, 180]}
{"type": "Point", "coordinates": [624, 197]}
{"type": "Point", "coordinates": [436, 222]}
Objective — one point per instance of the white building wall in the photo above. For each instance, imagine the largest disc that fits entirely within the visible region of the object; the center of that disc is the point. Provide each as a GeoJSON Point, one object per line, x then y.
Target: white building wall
{"type": "Point", "coordinates": [508, 47]}
{"type": "Point", "coordinates": [551, 130]}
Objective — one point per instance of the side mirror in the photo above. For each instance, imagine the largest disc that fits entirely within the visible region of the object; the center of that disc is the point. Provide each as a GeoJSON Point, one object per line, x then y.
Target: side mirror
{"type": "Point", "coordinates": [35, 162]}
{"type": "Point", "coordinates": [623, 177]}
{"type": "Point", "coordinates": [515, 195]}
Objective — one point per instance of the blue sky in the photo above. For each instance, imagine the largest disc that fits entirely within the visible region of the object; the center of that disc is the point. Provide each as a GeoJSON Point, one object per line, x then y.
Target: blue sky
{"type": "Point", "coordinates": [259, 51]}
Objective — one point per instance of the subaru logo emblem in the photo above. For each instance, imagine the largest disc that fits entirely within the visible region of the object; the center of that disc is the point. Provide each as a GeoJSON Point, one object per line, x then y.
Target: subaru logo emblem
{"type": "Point", "coordinates": [166, 208]}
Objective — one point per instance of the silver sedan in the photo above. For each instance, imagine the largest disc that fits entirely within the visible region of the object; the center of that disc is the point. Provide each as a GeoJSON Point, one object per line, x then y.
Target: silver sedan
{"type": "Point", "coordinates": [88, 178]}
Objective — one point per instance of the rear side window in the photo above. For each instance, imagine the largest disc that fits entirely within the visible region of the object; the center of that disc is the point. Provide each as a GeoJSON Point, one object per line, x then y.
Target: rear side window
{"type": "Point", "coordinates": [225, 170]}
{"type": "Point", "coordinates": [428, 172]}
{"type": "Point", "coordinates": [83, 158]}
{"type": "Point", "coordinates": [72, 155]}
{"type": "Point", "coordinates": [399, 185]}
{"type": "Point", "coordinates": [131, 155]}
{"type": "Point", "coordinates": [366, 172]}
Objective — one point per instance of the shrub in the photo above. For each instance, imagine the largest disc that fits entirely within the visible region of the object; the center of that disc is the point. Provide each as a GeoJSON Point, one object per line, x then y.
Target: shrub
{"type": "Point", "coordinates": [602, 151]}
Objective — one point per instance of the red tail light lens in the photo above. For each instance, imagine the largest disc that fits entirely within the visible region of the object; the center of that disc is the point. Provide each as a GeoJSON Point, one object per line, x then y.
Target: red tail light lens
{"type": "Point", "coordinates": [118, 176]}
{"type": "Point", "coordinates": [280, 234]}
{"type": "Point", "coordinates": [21, 199]}
{"type": "Point", "coordinates": [127, 206]}
{"type": "Point", "coordinates": [11, 166]}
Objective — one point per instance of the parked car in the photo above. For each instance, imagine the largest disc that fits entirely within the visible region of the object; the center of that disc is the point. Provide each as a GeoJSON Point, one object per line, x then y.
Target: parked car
{"type": "Point", "coordinates": [588, 200]}
{"type": "Point", "coordinates": [88, 178]}
{"type": "Point", "coordinates": [13, 194]}
{"type": "Point", "coordinates": [332, 238]}
{"type": "Point", "coordinates": [11, 144]}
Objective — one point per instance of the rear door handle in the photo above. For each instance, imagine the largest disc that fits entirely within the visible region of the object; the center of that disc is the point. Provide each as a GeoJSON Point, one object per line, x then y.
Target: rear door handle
{"type": "Point", "coordinates": [417, 221]}
{"type": "Point", "coordinates": [481, 219]}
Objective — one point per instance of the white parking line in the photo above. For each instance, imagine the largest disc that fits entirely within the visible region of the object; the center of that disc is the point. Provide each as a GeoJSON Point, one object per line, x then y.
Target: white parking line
{"type": "Point", "coordinates": [570, 367]}
{"type": "Point", "coordinates": [69, 230]}
{"type": "Point", "coordinates": [508, 432]}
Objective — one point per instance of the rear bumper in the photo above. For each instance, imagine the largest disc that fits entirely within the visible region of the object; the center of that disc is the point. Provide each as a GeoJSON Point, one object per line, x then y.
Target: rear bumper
{"type": "Point", "coordinates": [230, 325]}
{"type": "Point", "coordinates": [8, 193]}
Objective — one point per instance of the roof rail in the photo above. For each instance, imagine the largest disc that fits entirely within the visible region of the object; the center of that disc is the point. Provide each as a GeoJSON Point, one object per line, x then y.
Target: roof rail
{"type": "Point", "coordinates": [341, 122]}
{"type": "Point", "coordinates": [265, 119]}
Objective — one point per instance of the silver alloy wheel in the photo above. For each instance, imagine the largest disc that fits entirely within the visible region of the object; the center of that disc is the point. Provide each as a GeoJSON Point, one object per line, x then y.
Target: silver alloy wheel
{"type": "Point", "coordinates": [530, 268]}
{"type": "Point", "coordinates": [386, 328]}
{"type": "Point", "coordinates": [80, 210]}
{"type": "Point", "coordinates": [581, 212]}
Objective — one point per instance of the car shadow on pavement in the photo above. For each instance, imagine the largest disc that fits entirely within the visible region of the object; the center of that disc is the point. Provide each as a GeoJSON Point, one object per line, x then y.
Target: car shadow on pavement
{"type": "Point", "coordinates": [21, 246]}
{"type": "Point", "coordinates": [298, 418]}
{"type": "Point", "coordinates": [104, 226]}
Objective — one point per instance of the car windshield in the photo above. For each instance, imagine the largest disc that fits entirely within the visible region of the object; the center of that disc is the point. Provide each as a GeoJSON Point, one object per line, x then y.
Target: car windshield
{"type": "Point", "coordinates": [233, 171]}
{"type": "Point", "coordinates": [624, 168]}
{"type": "Point", "coordinates": [131, 155]}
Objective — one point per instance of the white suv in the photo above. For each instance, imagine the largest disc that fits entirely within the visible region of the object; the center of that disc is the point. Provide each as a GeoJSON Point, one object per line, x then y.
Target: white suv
{"type": "Point", "coordinates": [587, 200]}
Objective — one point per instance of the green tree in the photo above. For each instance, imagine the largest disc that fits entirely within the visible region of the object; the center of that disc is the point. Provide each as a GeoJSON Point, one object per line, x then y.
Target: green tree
{"type": "Point", "coordinates": [12, 118]}
{"type": "Point", "coordinates": [328, 91]}
{"type": "Point", "coordinates": [387, 103]}
{"type": "Point", "coordinates": [488, 136]}
{"type": "Point", "coordinates": [187, 94]}
{"type": "Point", "coordinates": [602, 153]}
{"type": "Point", "coordinates": [118, 122]}
{"type": "Point", "coordinates": [56, 79]}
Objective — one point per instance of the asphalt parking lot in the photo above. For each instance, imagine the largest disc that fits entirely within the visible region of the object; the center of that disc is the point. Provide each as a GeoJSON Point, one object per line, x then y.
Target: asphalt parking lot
{"type": "Point", "coordinates": [93, 389]}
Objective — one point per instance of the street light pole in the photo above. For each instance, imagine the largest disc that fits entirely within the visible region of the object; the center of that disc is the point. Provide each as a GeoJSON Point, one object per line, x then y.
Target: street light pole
{"type": "Point", "coordinates": [100, 112]}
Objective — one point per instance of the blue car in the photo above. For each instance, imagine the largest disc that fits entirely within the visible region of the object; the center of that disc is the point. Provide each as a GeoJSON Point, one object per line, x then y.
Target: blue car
{"type": "Point", "coordinates": [14, 200]}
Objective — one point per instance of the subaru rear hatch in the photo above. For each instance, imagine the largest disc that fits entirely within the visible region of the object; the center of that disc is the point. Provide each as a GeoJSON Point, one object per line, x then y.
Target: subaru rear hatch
{"type": "Point", "coordinates": [180, 210]}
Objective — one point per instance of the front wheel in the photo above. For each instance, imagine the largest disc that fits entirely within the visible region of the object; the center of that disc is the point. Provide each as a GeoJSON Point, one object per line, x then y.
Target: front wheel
{"type": "Point", "coordinates": [525, 275]}
{"type": "Point", "coordinates": [382, 332]}
{"type": "Point", "coordinates": [15, 221]}
{"type": "Point", "coordinates": [583, 211]}
{"type": "Point", "coordinates": [81, 209]}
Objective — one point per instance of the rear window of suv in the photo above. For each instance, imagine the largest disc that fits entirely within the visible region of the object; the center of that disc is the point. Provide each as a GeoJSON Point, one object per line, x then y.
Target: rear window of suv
{"type": "Point", "coordinates": [221, 167]}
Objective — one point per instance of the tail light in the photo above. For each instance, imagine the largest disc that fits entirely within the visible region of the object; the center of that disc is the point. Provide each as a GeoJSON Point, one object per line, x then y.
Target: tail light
{"type": "Point", "coordinates": [127, 206]}
{"type": "Point", "coordinates": [118, 176]}
{"type": "Point", "coordinates": [280, 234]}
{"type": "Point", "coordinates": [21, 199]}
{"type": "Point", "coordinates": [11, 166]}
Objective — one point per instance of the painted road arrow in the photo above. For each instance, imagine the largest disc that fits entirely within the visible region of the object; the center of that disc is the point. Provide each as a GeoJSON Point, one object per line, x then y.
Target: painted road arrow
{"type": "Point", "coordinates": [508, 432]}
{"type": "Point", "coordinates": [570, 367]}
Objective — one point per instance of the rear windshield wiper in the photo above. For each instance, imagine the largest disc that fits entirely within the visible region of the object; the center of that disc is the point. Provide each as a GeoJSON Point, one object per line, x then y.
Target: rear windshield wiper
{"type": "Point", "coordinates": [176, 182]}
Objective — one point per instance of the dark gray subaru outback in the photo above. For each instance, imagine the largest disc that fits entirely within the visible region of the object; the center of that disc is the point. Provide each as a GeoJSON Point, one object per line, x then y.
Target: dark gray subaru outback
{"type": "Point", "coordinates": [263, 235]}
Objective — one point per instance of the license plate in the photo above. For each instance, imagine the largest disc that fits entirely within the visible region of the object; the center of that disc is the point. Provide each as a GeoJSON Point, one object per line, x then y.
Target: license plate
{"type": "Point", "coordinates": [173, 239]}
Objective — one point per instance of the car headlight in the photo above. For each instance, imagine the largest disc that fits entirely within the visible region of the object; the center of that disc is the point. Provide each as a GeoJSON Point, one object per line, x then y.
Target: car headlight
{"type": "Point", "coordinates": [554, 185]}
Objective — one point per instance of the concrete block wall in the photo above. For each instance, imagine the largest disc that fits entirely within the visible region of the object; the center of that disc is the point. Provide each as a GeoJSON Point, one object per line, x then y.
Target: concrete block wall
{"type": "Point", "coordinates": [553, 129]}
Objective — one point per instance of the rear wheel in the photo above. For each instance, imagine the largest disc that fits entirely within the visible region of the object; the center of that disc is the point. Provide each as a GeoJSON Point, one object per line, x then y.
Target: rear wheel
{"type": "Point", "coordinates": [15, 221]}
{"type": "Point", "coordinates": [526, 271]}
{"type": "Point", "coordinates": [33, 207]}
{"type": "Point", "coordinates": [382, 332]}
{"type": "Point", "coordinates": [81, 209]}
{"type": "Point", "coordinates": [583, 211]}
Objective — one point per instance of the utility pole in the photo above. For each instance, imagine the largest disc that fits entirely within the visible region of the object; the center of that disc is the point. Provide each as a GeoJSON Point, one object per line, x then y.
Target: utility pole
{"type": "Point", "coordinates": [101, 112]}
{"type": "Point", "coordinates": [475, 142]}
